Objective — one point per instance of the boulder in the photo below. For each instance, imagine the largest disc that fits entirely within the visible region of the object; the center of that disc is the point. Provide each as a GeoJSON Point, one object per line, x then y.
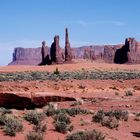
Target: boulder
{"type": "Point", "coordinates": [21, 100]}
{"type": "Point", "coordinates": [18, 100]}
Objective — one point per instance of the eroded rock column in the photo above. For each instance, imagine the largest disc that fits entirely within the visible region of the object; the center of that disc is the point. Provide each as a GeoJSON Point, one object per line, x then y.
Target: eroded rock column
{"type": "Point", "coordinates": [56, 52]}
{"type": "Point", "coordinates": [68, 54]}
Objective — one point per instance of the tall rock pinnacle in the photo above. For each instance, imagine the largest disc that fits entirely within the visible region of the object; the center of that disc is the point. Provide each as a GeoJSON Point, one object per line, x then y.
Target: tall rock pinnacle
{"type": "Point", "coordinates": [55, 51]}
{"type": "Point", "coordinates": [44, 50]}
{"type": "Point", "coordinates": [68, 55]}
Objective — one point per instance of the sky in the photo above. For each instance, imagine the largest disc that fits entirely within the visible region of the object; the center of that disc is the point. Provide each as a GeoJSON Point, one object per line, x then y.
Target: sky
{"type": "Point", "coordinates": [26, 23]}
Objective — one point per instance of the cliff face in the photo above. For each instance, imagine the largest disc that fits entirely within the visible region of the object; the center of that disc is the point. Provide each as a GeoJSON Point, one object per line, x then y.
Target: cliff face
{"type": "Point", "coordinates": [134, 54]}
{"type": "Point", "coordinates": [26, 56]}
{"type": "Point", "coordinates": [32, 56]}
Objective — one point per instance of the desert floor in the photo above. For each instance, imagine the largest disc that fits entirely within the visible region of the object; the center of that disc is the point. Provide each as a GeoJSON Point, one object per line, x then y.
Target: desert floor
{"type": "Point", "coordinates": [100, 94]}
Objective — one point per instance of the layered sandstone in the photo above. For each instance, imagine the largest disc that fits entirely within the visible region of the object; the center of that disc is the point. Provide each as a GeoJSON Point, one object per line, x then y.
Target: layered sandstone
{"type": "Point", "coordinates": [21, 100]}
{"type": "Point", "coordinates": [68, 55]}
{"type": "Point", "coordinates": [56, 52]}
{"type": "Point", "coordinates": [32, 56]}
{"type": "Point", "coordinates": [26, 56]}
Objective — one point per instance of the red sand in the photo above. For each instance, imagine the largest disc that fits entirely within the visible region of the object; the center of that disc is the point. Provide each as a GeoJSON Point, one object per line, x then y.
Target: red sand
{"type": "Point", "coordinates": [102, 90]}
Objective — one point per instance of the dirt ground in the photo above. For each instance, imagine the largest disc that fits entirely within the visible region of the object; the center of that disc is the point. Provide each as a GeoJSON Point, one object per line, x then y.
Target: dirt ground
{"type": "Point", "coordinates": [75, 65]}
{"type": "Point", "coordinates": [100, 94]}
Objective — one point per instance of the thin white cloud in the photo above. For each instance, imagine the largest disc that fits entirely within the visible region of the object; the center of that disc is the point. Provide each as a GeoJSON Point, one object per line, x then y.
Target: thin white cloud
{"type": "Point", "coordinates": [99, 22]}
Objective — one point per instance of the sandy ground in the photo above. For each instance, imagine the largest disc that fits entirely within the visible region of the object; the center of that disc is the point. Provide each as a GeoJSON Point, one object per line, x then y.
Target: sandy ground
{"type": "Point", "coordinates": [76, 65]}
{"type": "Point", "coordinates": [106, 94]}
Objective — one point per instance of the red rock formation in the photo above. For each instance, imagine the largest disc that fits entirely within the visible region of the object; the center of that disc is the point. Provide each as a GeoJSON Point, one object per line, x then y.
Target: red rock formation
{"type": "Point", "coordinates": [45, 54]}
{"type": "Point", "coordinates": [134, 54]}
{"type": "Point", "coordinates": [21, 100]}
{"type": "Point", "coordinates": [56, 52]}
{"type": "Point", "coordinates": [44, 50]}
{"type": "Point", "coordinates": [128, 53]}
{"type": "Point", "coordinates": [26, 56]}
{"type": "Point", "coordinates": [32, 56]}
{"type": "Point", "coordinates": [89, 54]}
{"type": "Point", "coordinates": [68, 55]}
{"type": "Point", "coordinates": [109, 52]}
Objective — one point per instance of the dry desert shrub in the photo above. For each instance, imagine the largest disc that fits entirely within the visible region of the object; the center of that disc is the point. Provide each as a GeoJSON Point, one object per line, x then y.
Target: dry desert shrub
{"type": "Point", "coordinates": [5, 111]}
{"type": "Point", "coordinates": [12, 125]}
{"type": "Point", "coordinates": [111, 118]}
{"type": "Point", "coordinates": [56, 71]}
{"type": "Point", "coordinates": [110, 122]}
{"type": "Point", "coordinates": [137, 117]}
{"type": "Point", "coordinates": [129, 92]}
{"type": "Point", "coordinates": [34, 136]}
{"type": "Point", "coordinates": [41, 128]}
{"type": "Point", "coordinates": [62, 123]}
{"type": "Point", "coordinates": [34, 117]}
{"type": "Point", "coordinates": [79, 75]}
{"type": "Point", "coordinates": [50, 109]}
{"type": "Point", "coordinates": [86, 135]}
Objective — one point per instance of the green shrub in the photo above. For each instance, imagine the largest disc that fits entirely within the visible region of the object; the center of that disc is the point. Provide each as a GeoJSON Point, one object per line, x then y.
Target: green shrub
{"type": "Point", "coordinates": [76, 111]}
{"type": "Point", "coordinates": [62, 117]}
{"type": "Point", "coordinates": [62, 110]}
{"type": "Point", "coordinates": [110, 122]}
{"type": "Point", "coordinates": [86, 135]}
{"type": "Point", "coordinates": [34, 136]}
{"type": "Point", "coordinates": [137, 118]}
{"type": "Point", "coordinates": [111, 118]}
{"type": "Point", "coordinates": [49, 110]}
{"type": "Point", "coordinates": [56, 71]}
{"type": "Point", "coordinates": [77, 102]}
{"type": "Point", "coordinates": [118, 114]}
{"type": "Point", "coordinates": [2, 119]}
{"type": "Point", "coordinates": [34, 117]}
{"type": "Point", "coordinates": [40, 128]}
{"type": "Point", "coordinates": [62, 123]}
{"type": "Point", "coordinates": [83, 74]}
{"type": "Point", "coordinates": [73, 111]}
{"type": "Point", "coordinates": [129, 93]}
{"type": "Point", "coordinates": [5, 111]}
{"type": "Point", "coordinates": [61, 126]}
{"type": "Point", "coordinates": [97, 117]}
{"type": "Point", "coordinates": [12, 125]}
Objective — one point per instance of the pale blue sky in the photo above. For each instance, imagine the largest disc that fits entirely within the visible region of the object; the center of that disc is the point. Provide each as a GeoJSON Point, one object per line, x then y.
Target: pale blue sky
{"type": "Point", "coordinates": [26, 23]}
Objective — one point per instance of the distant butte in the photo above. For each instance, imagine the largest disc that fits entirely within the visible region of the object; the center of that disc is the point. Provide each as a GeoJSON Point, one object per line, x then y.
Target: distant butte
{"type": "Point", "coordinates": [120, 54]}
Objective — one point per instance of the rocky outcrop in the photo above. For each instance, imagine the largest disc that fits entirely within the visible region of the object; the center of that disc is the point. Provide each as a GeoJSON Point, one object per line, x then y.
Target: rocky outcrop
{"type": "Point", "coordinates": [68, 55]}
{"type": "Point", "coordinates": [128, 53]}
{"type": "Point", "coordinates": [26, 56]}
{"type": "Point", "coordinates": [109, 52]}
{"type": "Point", "coordinates": [121, 54]}
{"type": "Point", "coordinates": [21, 100]}
{"type": "Point", "coordinates": [56, 52]}
{"type": "Point", "coordinates": [134, 54]}
{"type": "Point", "coordinates": [94, 52]}
{"type": "Point", "coordinates": [44, 50]}
{"type": "Point", "coordinates": [45, 55]}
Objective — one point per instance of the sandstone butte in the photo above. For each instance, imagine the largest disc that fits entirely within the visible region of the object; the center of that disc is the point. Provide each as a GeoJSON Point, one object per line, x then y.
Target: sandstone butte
{"type": "Point", "coordinates": [129, 52]}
